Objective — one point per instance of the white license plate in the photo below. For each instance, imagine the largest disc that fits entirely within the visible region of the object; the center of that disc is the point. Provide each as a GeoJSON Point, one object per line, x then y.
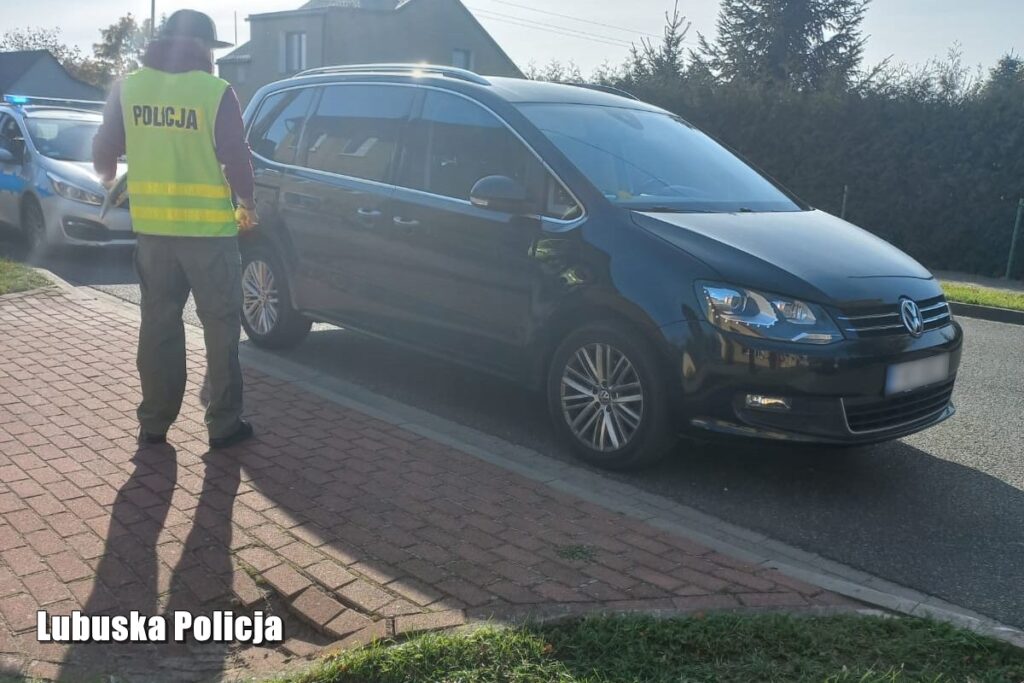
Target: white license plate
{"type": "Point", "coordinates": [916, 373]}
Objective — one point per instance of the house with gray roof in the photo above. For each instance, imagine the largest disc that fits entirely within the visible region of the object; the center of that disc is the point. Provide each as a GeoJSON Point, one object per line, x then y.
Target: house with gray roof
{"type": "Point", "coordinates": [331, 32]}
{"type": "Point", "coordinates": [38, 73]}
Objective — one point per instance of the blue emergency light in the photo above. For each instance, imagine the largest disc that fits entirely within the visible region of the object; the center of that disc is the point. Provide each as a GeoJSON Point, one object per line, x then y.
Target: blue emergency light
{"type": "Point", "coordinates": [19, 100]}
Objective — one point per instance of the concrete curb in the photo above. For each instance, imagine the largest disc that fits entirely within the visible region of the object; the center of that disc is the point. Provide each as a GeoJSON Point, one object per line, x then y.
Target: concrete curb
{"type": "Point", "coordinates": [665, 514]}
{"type": "Point", "coordinates": [999, 315]}
{"type": "Point", "coordinates": [55, 280]}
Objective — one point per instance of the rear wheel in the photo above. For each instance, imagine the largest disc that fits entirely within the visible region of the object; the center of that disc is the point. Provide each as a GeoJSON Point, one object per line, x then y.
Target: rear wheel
{"type": "Point", "coordinates": [607, 399]}
{"type": "Point", "coordinates": [267, 314]}
{"type": "Point", "coordinates": [33, 227]}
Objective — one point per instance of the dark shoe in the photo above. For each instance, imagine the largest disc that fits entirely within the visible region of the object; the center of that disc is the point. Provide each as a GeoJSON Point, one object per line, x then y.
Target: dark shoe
{"type": "Point", "coordinates": [243, 432]}
{"type": "Point", "coordinates": [150, 438]}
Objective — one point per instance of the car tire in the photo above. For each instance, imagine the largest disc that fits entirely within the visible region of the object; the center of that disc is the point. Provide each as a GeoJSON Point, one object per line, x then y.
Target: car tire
{"type": "Point", "coordinates": [33, 227]}
{"type": "Point", "coordinates": [268, 317]}
{"type": "Point", "coordinates": [617, 423]}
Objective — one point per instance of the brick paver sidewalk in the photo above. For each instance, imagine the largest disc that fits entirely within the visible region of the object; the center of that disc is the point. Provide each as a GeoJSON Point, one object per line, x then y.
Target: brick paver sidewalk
{"type": "Point", "coordinates": [352, 527]}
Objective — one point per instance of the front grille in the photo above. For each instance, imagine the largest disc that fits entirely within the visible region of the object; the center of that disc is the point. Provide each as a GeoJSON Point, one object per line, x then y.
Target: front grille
{"type": "Point", "coordinates": [881, 321]}
{"type": "Point", "coordinates": [871, 415]}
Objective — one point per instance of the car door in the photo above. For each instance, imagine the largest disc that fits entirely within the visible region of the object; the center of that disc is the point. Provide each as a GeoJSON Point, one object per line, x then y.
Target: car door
{"type": "Point", "coordinates": [339, 200]}
{"type": "Point", "coordinates": [470, 275]}
{"type": "Point", "coordinates": [274, 136]}
{"type": "Point", "coordinates": [12, 174]}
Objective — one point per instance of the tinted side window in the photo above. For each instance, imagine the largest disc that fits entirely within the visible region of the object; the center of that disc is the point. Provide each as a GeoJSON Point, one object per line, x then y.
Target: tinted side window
{"type": "Point", "coordinates": [456, 142]}
{"type": "Point", "coordinates": [356, 128]}
{"type": "Point", "coordinates": [278, 126]}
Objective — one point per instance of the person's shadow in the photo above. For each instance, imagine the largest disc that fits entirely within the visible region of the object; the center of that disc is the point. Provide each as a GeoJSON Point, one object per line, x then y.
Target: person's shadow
{"type": "Point", "coordinates": [133, 574]}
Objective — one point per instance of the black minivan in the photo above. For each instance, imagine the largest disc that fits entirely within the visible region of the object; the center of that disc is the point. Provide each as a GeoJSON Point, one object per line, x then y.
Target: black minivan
{"type": "Point", "coordinates": [592, 246]}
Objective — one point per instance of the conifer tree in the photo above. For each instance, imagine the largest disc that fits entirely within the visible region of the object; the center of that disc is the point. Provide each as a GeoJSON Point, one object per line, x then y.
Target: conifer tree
{"type": "Point", "coordinates": [806, 44]}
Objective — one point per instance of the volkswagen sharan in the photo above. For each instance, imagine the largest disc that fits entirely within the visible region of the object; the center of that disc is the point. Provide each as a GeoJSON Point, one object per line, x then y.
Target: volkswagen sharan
{"type": "Point", "coordinates": [596, 248]}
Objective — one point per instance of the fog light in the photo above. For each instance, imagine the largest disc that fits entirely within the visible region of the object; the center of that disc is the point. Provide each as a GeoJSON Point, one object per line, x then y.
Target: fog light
{"type": "Point", "coordinates": [760, 402]}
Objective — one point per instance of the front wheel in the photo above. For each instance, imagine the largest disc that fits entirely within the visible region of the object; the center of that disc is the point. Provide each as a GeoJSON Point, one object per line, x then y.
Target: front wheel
{"type": "Point", "coordinates": [33, 226]}
{"type": "Point", "coordinates": [607, 399]}
{"type": "Point", "coordinates": [267, 314]}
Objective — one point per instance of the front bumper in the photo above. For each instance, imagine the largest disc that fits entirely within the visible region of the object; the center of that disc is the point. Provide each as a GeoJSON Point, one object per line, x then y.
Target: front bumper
{"type": "Point", "coordinates": [836, 393]}
{"type": "Point", "coordinates": [71, 223]}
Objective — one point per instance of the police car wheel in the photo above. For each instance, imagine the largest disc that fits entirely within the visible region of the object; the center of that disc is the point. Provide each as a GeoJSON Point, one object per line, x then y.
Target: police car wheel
{"type": "Point", "coordinates": [33, 225]}
{"type": "Point", "coordinates": [267, 314]}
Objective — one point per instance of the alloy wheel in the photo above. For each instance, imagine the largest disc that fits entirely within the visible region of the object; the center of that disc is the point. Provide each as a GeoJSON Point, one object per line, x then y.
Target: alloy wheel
{"type": "Point", "coordinates": [260, 298]}
{"type": "Point", "coordinates": [602, 397]}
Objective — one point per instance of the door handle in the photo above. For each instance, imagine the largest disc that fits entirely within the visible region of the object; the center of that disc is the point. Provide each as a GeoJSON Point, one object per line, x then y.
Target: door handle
{"type": "Point", "coordinates": [406, 222]}
{"type": "Point", "coordinates": [368, 213]}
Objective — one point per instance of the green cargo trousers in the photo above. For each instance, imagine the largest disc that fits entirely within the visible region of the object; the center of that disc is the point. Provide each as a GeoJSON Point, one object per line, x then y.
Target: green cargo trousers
{"type": "Point", "coordinates": [168, 268]}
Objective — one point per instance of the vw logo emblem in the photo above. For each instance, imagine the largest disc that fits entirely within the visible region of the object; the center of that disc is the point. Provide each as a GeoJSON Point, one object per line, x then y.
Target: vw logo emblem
{"type": "Point", "coordinates": [911, 316]}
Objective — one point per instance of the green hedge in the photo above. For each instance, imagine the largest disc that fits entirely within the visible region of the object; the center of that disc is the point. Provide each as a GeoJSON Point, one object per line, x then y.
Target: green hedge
{"type": "Point", "coordinates": [940, 179]}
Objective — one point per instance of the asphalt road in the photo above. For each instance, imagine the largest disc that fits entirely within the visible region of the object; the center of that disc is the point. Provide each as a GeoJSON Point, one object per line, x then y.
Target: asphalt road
{"type": "Point", "coordinates": [941, 511]}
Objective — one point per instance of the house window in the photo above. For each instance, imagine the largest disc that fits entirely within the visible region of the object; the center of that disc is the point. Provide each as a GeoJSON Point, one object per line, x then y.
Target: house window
{"type": "Point", "coordinates": [462, 59]}
{"type": "Point", "coordinates": [294, 51]}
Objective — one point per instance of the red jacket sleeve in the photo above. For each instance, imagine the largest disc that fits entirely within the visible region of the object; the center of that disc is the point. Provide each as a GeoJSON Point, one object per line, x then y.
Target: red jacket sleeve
{"type": "Point", "coordinates": [232, 149]}
{"type": "Point", "coordinates": [109, 143]}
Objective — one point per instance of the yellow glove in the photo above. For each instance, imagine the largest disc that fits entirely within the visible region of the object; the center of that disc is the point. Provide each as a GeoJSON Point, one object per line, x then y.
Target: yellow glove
{"type": "Point", "coordinates": [246, 218]}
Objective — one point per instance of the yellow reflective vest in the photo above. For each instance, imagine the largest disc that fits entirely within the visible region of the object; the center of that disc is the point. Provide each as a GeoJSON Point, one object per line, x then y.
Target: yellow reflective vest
{"type": "Point", "coordinates": [176, 185]}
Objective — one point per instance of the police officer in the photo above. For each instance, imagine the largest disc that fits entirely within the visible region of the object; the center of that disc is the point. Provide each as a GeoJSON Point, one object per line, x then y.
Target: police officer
{"type": "Point", "coordinates": [181, 128]}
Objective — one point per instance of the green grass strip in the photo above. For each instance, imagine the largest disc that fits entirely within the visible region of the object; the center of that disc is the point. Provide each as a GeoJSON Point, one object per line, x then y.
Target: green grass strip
{"type": "Point", "coordinates": [14, 277]}
{"type": "Point", "coordinates": [722, 648]}
{"type": "Point", "coordinates": [984, 296]}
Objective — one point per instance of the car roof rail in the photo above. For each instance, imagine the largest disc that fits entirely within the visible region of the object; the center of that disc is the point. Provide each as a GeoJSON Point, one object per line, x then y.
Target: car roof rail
{"type": "Point", "coordinates": [34, 100]}
{"type": "Point", "coordinates": [610, 89]}
{"type": "Point", "coordinates": [449, 71]}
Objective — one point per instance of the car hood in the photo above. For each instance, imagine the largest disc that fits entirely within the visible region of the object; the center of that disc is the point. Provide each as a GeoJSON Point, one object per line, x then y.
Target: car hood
{"type": "Point", "coordinates": [807, 254]}
{"type": "Point", "coordinates": [80, 173]}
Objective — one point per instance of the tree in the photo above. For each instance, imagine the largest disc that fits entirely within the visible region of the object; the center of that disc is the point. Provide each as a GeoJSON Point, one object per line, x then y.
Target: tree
{"type": "Point", "coordinates": [805, 44]}
{"type": "Point", "coordinates": [555, 72]}
{"type": "Point", "coordinates": [121, 46]}
{"type": "Point", "coordinates": [119, 51]}
{"type": "Point", "coordinates": [1007, 76]}
{"type": "Point", "coordinates": [664, 62]}
{"type": "Point", "coordinates": [948, 80]}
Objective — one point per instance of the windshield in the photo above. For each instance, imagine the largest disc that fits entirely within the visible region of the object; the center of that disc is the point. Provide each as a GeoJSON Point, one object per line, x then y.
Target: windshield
{"type": "Point", "coordinates": [63, 139]}
{"type": "Point", "coordinates": [653, 161]}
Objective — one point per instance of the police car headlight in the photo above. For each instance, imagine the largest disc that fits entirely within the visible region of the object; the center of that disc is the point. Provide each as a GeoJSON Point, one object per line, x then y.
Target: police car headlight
{"type": "Point", "coordinates": [73, 192]}
{"type": "Point", "coordinates": [769, 316]}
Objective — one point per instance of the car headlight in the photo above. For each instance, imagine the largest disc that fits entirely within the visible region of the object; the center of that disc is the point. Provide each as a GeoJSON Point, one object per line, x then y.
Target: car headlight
{"type": "Point", "coordinates": [69, 191]}
{"type": "Point", "coordinates": [769, 316]}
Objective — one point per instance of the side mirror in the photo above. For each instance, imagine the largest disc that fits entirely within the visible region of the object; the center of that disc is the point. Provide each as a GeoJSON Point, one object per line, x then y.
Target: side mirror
{"type": "Point", "coordinates": [499, 193]}
{"type": "Point", "coordinates": [7, 156]}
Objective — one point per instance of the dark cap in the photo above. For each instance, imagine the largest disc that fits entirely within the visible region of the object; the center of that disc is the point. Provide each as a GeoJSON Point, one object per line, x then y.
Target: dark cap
{"type": "Point", "coordinates": [188, 23]}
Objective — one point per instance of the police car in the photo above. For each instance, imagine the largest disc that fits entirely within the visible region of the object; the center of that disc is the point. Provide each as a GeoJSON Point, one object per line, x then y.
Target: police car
{"type": "Point", "coordinates": [48, 187]}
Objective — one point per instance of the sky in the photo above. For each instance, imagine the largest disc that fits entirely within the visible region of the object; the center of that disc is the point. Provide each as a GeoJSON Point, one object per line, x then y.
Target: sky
{"type": "Point", "coordinates": [910, 31]}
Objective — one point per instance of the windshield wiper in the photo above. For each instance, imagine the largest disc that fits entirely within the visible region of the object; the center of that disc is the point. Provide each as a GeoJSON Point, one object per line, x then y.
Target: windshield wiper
{"type": "Point", "coordinates": [665, 209]}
